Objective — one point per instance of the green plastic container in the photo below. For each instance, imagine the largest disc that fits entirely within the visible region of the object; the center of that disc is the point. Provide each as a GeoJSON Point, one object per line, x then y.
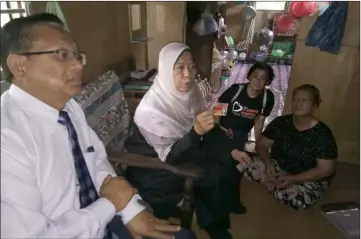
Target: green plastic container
{"type": "Point", "coordinates": [286, 46]}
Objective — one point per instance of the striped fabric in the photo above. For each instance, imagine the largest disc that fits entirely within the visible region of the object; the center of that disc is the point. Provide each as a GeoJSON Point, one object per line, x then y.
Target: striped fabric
{"type": "Point", "coordinates": [106, 110]}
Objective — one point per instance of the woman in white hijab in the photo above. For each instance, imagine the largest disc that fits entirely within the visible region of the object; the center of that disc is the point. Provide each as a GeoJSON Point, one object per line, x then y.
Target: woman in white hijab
{"type": "Point", "coordinates": [172, 124]}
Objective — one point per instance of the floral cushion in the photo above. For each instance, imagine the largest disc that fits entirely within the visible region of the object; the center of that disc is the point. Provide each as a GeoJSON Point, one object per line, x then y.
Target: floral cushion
{"type": "Point", "coordinates": [106, 110]}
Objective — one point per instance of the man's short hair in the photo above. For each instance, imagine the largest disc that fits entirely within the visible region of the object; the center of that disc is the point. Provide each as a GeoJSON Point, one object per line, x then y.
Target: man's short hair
{"type": "Point", "coordinates": [16, 36]}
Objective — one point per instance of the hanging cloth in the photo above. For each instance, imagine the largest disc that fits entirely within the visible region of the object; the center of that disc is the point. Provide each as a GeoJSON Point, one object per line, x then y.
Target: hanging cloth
{"type": "Point", "coordinates": [248, 31]}
{"type": "Point", "coordinates": [54, 8]}
{"type": "Point", "coordinates": [252, 25]}
{"type": "Point", "coordinates": [328, 30]}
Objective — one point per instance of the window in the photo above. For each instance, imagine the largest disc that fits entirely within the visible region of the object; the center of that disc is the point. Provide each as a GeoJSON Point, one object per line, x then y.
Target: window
{"type": "Point", "coordinates": [270, 5]}
{"type": "Point", "coordinates": [136, 20]}
{"type": "Point", "coordinates": [12, 9]}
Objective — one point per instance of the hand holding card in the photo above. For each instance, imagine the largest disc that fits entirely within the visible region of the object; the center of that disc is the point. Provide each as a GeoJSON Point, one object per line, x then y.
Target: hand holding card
{"type": "Point", "coordinates": [220, 109]}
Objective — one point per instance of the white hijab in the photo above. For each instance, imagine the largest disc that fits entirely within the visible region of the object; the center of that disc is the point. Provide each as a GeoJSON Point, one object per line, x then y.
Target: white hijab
{"type": "Point", "coordinates": [164, 111]}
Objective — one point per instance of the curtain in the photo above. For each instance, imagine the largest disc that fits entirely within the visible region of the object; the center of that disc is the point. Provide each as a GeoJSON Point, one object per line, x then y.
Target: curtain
{"type": "Point", "coordinates": [54, 8]}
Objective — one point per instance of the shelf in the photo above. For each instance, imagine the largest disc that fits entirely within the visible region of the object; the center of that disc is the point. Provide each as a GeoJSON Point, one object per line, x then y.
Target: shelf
{"type": "Point", "coordinates": [270, 60]}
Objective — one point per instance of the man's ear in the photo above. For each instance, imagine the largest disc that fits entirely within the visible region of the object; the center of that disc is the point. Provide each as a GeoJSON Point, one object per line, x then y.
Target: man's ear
{"type": "Point", "coordinates": [16, 64]}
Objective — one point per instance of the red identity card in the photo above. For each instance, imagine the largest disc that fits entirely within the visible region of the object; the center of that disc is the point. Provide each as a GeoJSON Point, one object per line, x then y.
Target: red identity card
{"type": "Point", "coordinates": [220, 109]}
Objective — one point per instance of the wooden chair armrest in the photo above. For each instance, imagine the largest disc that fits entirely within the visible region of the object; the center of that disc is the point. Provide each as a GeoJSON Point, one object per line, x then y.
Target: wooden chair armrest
{"type": "Point", "coordinates": [140, 161]}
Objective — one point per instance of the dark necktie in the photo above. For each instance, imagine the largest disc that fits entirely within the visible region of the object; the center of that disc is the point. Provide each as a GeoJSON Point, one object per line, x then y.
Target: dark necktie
{"type": "Point", "coordinates": [87, 192]}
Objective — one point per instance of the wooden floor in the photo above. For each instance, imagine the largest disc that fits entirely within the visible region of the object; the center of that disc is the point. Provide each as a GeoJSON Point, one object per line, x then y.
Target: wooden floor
{"type": "Point", "coordinates": [268, 219]}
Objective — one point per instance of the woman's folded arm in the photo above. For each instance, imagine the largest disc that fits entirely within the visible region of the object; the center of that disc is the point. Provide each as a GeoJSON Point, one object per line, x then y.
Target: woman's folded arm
{"type": "Point", "coordinates": [182, 151]}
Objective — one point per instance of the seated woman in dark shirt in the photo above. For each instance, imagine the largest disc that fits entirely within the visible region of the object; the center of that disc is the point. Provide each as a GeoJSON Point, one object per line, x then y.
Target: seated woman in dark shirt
{"type": "Point", "coordinates": [248, 104]}
{"type": "Point", "coordinates": [303, 153]}
{"type": "Point", "coordinates": [170, 125]}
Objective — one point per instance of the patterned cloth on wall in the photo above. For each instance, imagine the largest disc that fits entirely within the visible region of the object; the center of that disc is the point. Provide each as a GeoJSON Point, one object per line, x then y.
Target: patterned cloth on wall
{"type": "Point", "coordinates": [106, 110]}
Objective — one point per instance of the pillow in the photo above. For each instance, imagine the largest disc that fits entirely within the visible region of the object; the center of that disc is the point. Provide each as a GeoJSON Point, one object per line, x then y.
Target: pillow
{"type": "Point", "coordinates": [106, 110]}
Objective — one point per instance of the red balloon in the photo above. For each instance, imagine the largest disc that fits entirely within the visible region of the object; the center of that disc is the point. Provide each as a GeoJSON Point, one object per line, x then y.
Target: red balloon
{"type": "Point", "coordinates": [302, 9]}
{"type": "Point", "coordinates": [284, 23]}
{"type": "Point", "coordinates": [294, 6]}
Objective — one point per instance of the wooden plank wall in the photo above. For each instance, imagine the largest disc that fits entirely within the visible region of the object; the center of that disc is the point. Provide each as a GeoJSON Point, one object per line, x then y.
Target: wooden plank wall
{"type": "Point", "coordinates": [162, 31]}
{"type": "Point", "coordinates": [102, 31]}
{"type": "Point", "coordinates": [338, 79]}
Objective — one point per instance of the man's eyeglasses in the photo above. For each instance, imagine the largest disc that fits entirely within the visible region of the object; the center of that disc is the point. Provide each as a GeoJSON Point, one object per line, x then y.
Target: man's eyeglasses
{"type": "Point", "coordinates": [63, 55]}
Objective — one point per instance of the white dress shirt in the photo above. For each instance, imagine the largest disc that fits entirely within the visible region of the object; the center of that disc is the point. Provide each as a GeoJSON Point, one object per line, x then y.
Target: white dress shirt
{"type": "Point", "coordinates": [39, 192]}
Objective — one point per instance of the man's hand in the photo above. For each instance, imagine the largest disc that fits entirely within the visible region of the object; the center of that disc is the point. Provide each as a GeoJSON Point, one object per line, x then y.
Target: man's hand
{"type": "Point", "coordinates": [241, 156]}
{"type": "Point", "coordinates": [284, 181]}
{"type": "Point", "coordinates": [118, 191]}
{"type": "Point", "coordinates": [144, 224]}
{"type": "Point", "coordinates": [204, 122]}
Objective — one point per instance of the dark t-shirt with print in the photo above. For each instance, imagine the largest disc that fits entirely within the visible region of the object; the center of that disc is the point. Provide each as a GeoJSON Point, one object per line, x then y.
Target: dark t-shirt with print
{"type": "Point", "coordinates": [242, 112]}
{"type": "Point", "coordinates": [297, 151]}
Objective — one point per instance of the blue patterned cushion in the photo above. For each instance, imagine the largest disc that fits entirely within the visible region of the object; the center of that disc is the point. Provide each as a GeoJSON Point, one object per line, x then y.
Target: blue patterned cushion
{"type": "Point", "coordinates": [106, 110]}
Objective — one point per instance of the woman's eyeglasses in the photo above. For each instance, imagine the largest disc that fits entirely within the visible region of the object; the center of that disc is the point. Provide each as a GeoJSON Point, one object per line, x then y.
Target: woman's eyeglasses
{"type": "Point", "coordinates": [63, 55]}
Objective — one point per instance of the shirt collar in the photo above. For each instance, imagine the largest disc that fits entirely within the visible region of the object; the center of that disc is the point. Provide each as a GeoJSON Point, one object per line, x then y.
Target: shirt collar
{"type": "Point", "coordinates": [31, 104]}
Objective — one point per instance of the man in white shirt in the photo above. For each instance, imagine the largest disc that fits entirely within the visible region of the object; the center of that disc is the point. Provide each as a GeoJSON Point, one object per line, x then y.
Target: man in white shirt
{"type": "Point", "coordinates": [45, 169]}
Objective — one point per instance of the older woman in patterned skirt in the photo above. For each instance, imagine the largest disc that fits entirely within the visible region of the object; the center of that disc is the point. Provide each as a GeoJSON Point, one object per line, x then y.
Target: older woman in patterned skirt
{"type": "Point", "coordinates": [303, 153]}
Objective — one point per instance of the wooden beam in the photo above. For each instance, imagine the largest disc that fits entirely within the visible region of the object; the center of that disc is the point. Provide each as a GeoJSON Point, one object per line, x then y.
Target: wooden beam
{"type": "Point", "coordinates": [12, 11]}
